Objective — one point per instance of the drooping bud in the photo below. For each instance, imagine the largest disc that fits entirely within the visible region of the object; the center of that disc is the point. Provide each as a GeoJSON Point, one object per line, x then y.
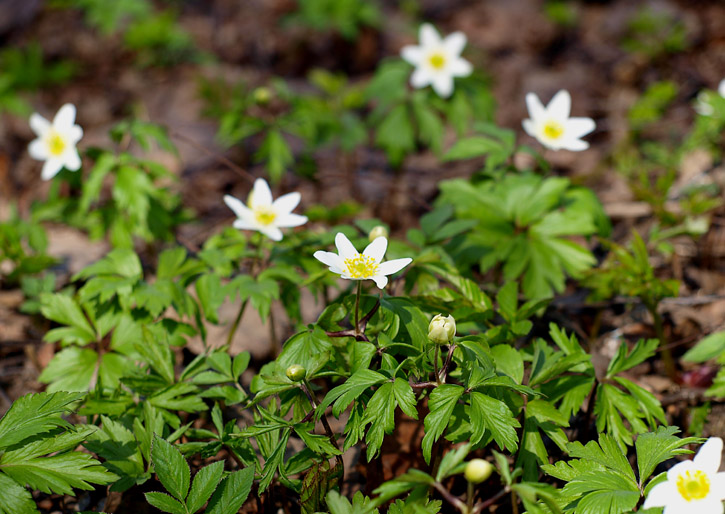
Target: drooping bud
{"type": "Point", "coordinates": [478, 470]}
{"type": "Point", "coordinates": [442, 329]}
{"type": "Point", "coordinates": [376, 232]}
{"type": "Point", "coordinates": [296, 373]}
{"type": "Point", "coordinates": [262, 95]}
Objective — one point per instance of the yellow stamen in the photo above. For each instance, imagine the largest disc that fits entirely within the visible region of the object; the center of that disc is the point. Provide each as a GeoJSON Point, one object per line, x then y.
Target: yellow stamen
{"type": "Point", "coordinates": [361, 266]}
{"type": "Point", "coordinates": [56, 144]}
{"type": "Point", "coordinates": [264, 215]}
{"type": "Point", "coordinates": [437, 60]}
{"type": "Point", "coordinates": [693, 485]}
{"type": "Point", "coordinates": [553, 129]}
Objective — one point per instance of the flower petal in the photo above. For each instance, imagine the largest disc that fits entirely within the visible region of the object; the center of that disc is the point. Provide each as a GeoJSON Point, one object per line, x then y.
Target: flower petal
{"type": "Point", "coordinates": [236, 205]}
{"type": "Point", "coordinates": [261, 194]}
{"type": "Point", "coordinates": [535, 107]}
{"type": "Point", "coordinates": [420, 78]}
{"type": "Point", "coordinates": [455, 43]}
{"type": "Point", "coordinates": [678, 469]}
{"type": "Point", "coordinates": [243, 224]}
{"type": "Point", "coordinates": [377, 249]}
{"type": "Point", "coordinates": [272, 232]}
{"type": "Point", "coordinates": [39, 124]}
{"type": "Point", "coordinates": [51, 168]}
{"type": "Point", "coordinates": [332, 260]}
{"type": "Point", "coordinates": [65, 118]}
{"type": "Point", "coordinates": [412, 54]}
{"type": "Point", "coordinates": [290, 220]}
{"type": "Point", "coordinates": [380, 280]}
{"type": "Point", "coordinates": [443, 84]}
{"type": "Point", "coordinates": [71, 160]}
{"type": "Point", "coordinates": [717, 485]}
{"type": "Point", "coordinates": [721, 88]}
{"type": "Point", "coordinates": [461, 67]}
{"type": "Point", "coordinates": [345, 247]}
{"type": "Point", "coordinates": [662, 494]}
{"type": "Point", "coordinates": [38, 149]}
{"type": "Point", "coordinates": [578, 127]}
{"type": "Point", "coordinates": [573, 145]}
{"type": "Point", "coordinates": [709, 456]}
{"type": "Point", "coordinates": [286, 203]}
{"type": "Point", "coordinates": [74, 134]}
{"type": "Point", "coordinates": [390, 267]}
{"type": "Point", "coordinates": [560, 106]}
{"type": "Point", "coordinates": [428, 36]}
{"type": "Point", "coordinates": [529, 128]}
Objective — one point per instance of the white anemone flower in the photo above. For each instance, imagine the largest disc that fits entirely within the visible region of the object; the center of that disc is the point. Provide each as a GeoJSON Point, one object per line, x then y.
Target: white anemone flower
{"type": "Point", "coordinates": [352, 265]}
{"type": "Point", "coordinates": [552, 126]}
{"type": "Point", "coordinates": [263, 214]}
{"type": "Point", "coordinates": [702, 104]}
{"type": "Point", "coordinates": [56, 142]}
{"type": "Point", "coordinates": [437, 61]}
{"type": "Point", "coordinates": [693, 485]}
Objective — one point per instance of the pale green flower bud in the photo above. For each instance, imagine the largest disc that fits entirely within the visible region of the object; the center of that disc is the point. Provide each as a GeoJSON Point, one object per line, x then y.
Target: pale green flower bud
{"type": "Point", "coordinates": [376, 232]}
{"type": "Point", "coordinates": [262, 95]}
{"type": "Point", "coordinates": [478, 470]}
{"type": "Point", "coordinates": [442, 329]}
{"type": "Point", "coordinates": [296, 373]}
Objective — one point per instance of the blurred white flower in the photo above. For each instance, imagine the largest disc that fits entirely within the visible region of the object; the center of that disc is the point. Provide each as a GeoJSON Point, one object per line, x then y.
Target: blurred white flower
{"type": "Point", "coordinates": [437, 61]}
{"type": "Point", "coordinates": [56, 142]}
{"type": "Point", "coordinates": [352, 265]}
{"type": "Point", "coordinates": [263, 214]}
{"type": "Point", "coordinates": [702, 104]}
{"type": "Point", "coordinates": [552, 126]}
{"type": "Point", "coordinates": [693, 486]}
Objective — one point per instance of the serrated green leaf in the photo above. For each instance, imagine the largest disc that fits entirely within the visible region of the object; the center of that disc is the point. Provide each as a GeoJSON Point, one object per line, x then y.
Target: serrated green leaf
{"type": "Point", "coordinates": [205, 482]}
{"type": "Point", "coordinates": [493, 415]}
{"type": "Point", "coordinates": [171, 468]}
{"type": "Point", "coordinates": [440, 404]}
{"type": "Point", "coordinates": [15, 499]}
{"type": "Point", "coordinates": [232, 492]}
{"type": "Point", "coordinates": [164, 502]}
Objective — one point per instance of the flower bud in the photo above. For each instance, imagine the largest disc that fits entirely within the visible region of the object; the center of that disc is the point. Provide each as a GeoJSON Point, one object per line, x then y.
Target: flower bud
{"type": "Point", "coordinates": [442, 329]}
{"type": "Point", "coordinates": [296, 373]}
{"type": "Point", "coordinates": [376, 232]}
{"type": "Point", "coordinates": [262, 95]}
{"type": "Point", "coordinates": [478, 470]}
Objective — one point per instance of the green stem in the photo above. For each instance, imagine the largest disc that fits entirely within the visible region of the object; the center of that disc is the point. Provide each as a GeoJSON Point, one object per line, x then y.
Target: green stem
{"type": "Point", "coordinates": [435, 365]}
{"type": "Point", "coordinates": [357, 306]}
{"type": "Point", "coordinates": [469, 497]}
{"type": "Point", "coordinates": [235, 325]}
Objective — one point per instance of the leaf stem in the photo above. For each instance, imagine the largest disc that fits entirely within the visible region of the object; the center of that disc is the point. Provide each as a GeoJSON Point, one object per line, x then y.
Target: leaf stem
{"type": "Point", "coordinates": [326, 425]}
{"type": "Point", "coordinates": [357, 307]}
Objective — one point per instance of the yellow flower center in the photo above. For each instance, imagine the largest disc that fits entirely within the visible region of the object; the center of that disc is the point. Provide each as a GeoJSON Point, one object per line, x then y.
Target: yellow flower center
{"type": "Point", "coordinates": [693, 485]}
{"type": "Point", "coordinates": [553, 129]}
{"type": "Point", "coordinates": [56, 144]}
{"type": "Point", "coordinates": [361, 266]}
{"type": "Point", "coordinates": [437, 60]}
{"type": "Point", "coordinates": [264, 215]}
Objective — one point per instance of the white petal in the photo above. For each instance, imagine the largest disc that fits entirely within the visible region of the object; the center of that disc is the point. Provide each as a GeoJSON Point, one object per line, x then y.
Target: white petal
{"type": "Point", "coordinates": [560, 106]}
{"type": "Point", "coordinates": [380, 280]}
{"type": "Point", "coordinates": [420, 78]}
{"type": "Point", "coordinates": [236, 205]}
{"type": "Point", "coordinates": [535, 107]}
{"type": "Point", "coordinates": [529, 128]}
{"type": "Point", "coordinates": [429, 36]}
{"type": "Point", "coordinates": [377, 249]}
{"type": "Point", "coordinates": [38, 149]}
{"type": "Point", "coordinates": [345, 247]}
{"type": "Point", "coordinates": [578, 127]}
{"type": "Point", "coordinates": [721, 88]}
{"type": "Point", "coordinates": [261, 195]}
{"type": "Point", "coordinates": [271, 232]}
{"type": "Point", "coordinates": [39, 124]}
{"type": "Point", "coordinates": [290, 220]}
{"type": "Point", "coordinates": [708, 505]}
{"type": "Point", "coordinates": [455, 43]}
{"type": "Point", "coordinates": [243, 224]}
{"type": "Point", "coordinates": [71, 159]}
{"type": "Point", "coordinates": [65, 118]}
{"type": "Point", "coordinates": [412, 54]}
{"type": "Point", "coordinates": [679, 468]}
{"type": "Point", "coordinates": [390, 267]}
{"type": "Point", "coordinates": [330, 259]}
{"type": "Point", "coordinates": [717, 483]}
{"type": "Point", "coordinates": [573, 145]}
{"type": "Point", "coordinates": [460, 68]}
{"type": "Point", "coordinates": [51, 168]}
{"type": "Point", "coordinates": [662, 494]}
{"type": "Point", "coordinates": [709, 456]}
{"type": "Point", "coordinates": [443, 84]}
{"type": "Point", "coordinates": [286, 203]}
{"type": "Point", "coordinates": [74, 134]}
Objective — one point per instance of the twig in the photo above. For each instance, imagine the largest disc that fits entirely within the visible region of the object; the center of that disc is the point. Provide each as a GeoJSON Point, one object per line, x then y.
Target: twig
{"type": "Point", "coordinates": [239, 171]}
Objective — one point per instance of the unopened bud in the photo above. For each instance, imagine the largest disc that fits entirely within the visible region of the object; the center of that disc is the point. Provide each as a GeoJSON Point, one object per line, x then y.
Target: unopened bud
{"type": "Point", "coordinates": [262, 95]}
{"type": "Point", "coordinates": [296, 373]}
{"type": "Point", "coordinates": [442, 329]}
{"type": "Point", "coordinates": [376, 232]}
{"type": "Point", "coordinates": [478, 470]}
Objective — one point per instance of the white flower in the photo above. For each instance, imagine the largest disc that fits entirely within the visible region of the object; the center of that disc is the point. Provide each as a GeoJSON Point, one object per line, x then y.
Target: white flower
{"type": "Point", "coordinates": [693, 486]}
{"type": "Point", "coordinates": [352, 265]}
{"type": "Point", "coordinates": [437, 60]}
{"type": "Point", "coordinates": [263, 214]}
{"type": "Point", "coordinates": [56, 142]}
{"type": "Point", "coordinates": [552, 126]}
{"type": "Point", "coordinates": [703, 105]}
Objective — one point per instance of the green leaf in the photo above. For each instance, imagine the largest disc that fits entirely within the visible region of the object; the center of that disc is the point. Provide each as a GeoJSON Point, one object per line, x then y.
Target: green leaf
{"type": "Point", "coordinates": [471, 147]}
{"type": "Point", "coordinates": [395, 134]}
{"type": "Point", "coordinates": [211, 295]}
{"type": "Point", "coordinates": [451, 461]}
{"type": "Point", "coordinates": [493, 415]}
{"type": "Point", "coordinates": [232, 492]}
{"type": "Point", "coordinates": [34, 414]}
{"type": "Point", "coordinates": [656, 447]}
{"type": "Point", "coordinates": [14, 498]}
{"type": "Point", "coordinates": [275, 150]}
{"type": "Point", "coordinates": [64, 310]}
{"type": "Point", "coordinates": [344, 394]}
{"type": "Point", "coordinates": [441, 403]}
{"type": "Point", "coordinates": [71, 369]}
{"type": "Point", "coordinates": [622, 361]}
{"type": "Point", "coordinates": [171, 468]}
{"type": "Point", "coordinates": [405, 397]}
{"type": "Point", "coordinates": [164, 502]}
{"type": "Point", "coordinates": [708, 348]}
{"type": "Point", "coordinates": [205, 482]}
